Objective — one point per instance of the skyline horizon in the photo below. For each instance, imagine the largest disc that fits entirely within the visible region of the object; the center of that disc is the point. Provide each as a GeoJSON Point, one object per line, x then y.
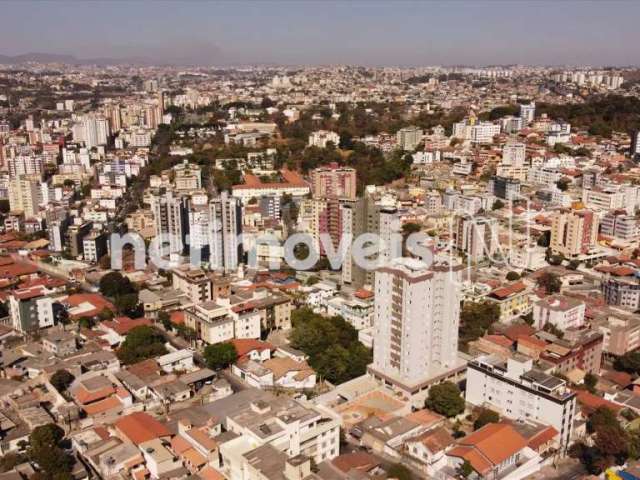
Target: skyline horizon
{"type": "Point", "coordinates": [403, 34]}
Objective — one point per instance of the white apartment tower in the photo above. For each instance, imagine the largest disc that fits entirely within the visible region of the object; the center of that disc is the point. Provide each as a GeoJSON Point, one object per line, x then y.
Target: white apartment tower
{"type": "Point", "coordinates": [528, 113]}
{"type": "Point", "coordinates": [225, 213]}
{"type": "Point", "coordinates": [417, 312]}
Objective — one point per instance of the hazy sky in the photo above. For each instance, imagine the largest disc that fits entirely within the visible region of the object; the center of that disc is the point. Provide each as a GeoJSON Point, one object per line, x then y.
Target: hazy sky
{"type": "Point", "coordinates": [307, 32]}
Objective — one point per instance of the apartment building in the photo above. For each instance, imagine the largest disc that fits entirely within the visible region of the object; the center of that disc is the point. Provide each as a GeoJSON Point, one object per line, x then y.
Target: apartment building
{"type": "Point", "coordinates": [619, 224]}
{"type": "Point", "coordinates": [416, 316]}
{"type": "Point", "coordinates": [604, 199]}
{"type": "Point", "coordinates": [518, 391]}
{"type": "Point", "coordinates": [215, 323]}
{"type": "Point", "coordinates": [260, 418]}
{"type": "Point", "coordinates": [559, 310]}
{"type": "Point", "coordinates": [31, 309]}
{"type": "Point", "coordinates": [408, 138]}
{"type": "Point", "coordinates": [477, 237]}
{"type": "Point", "coordinates": [573, 233]}
{"type": "Point", "coordinates": [321, 138]}
{"type": "Point", "coordinates": [193, 282]}
{"type": "Point", "coordinates": [25, 194]}
{"type": "Point", "coordinates": [334, 181]}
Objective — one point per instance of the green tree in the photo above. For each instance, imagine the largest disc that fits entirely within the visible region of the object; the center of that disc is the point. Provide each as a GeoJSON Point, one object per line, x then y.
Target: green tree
{"type": "Point", "coordinates": [61, 380]}
{"type": "Point", "coordinates": [114, 283]}
{"type": "Point", "coordinates": [44, 449]}
{"type": "Point", "coordinates": [445, 399]}
{"type": "Point", "coordinates": [128, 304]}
{"type": "Point", "coordinates": [485, 417]}
{"type": "Point", "coordinates": [590, 381]}
{"type": "Point", "coordinates": [497, 205]}
{"type": "Point", "coordinates": [629, 362]}
{"type": "Point", "coordinates": [549, 282]}
{"type": "Point", "coordinates": [512, 276]}
{"type": "Point", "coordinates": [165, 319]}
{"type": "Point", "coordinates": [563, 184]}
{"type": "Point", "coordinates": [475, 320]}
{"type": "Point", "coordinates": [220, 355]}
{"type": "Point", "coordinates": [465, 470]}
{"type": "Point", "coordinates": [86, 322]}
{"type": "Point", "coordinates": [142, 342]}
{"type": "Point", "coordinates": [331, 344]}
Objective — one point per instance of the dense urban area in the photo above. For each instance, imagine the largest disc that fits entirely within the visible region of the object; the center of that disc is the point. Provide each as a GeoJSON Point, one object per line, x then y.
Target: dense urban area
{"type": "Point", "coordinates": [510, 351]}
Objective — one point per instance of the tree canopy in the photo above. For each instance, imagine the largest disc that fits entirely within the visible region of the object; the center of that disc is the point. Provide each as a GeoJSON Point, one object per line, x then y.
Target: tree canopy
{"type": "Point", "coordinates": [141, 342]}
{"type": "Point", "coordinates": [331, 344]}
{"type": "Point", "coordinates": [61, 380]}
{"type": "Point", "coordinates": [46, 452]}
{"type": "Point", "coordinates": [445, 399]}
{"type": "Point", "coordinates": [220, 355]}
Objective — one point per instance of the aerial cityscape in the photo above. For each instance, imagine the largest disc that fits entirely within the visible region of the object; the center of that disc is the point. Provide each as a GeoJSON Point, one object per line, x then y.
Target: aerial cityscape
{"type": "Point", "coordinates": [319, 240]}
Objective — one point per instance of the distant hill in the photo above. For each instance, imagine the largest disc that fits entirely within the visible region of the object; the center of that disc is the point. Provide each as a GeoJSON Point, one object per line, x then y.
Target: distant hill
{"type": "Point", "coordinates": [36, 57]}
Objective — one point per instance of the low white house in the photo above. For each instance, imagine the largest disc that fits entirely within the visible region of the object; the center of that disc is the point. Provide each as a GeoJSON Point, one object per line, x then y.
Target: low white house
{"type": "Point", "coordinates": [180, 360]}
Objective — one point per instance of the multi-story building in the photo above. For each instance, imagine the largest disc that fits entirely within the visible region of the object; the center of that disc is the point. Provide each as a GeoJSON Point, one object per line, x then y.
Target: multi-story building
{"type": "Point", "coordinates": [75, 236]}
{"type": "Point", "coordinates": [634, 149]}
{"type": "Point", "coordinates": [263, 421]}
{"type": "Point", "coordinates": [253, 187]}
{"type": "Point", "coordinates": [504, 187]}
{"type": "Point", "coordinates": [216, 322]}
{"type": "Point", "coordinates": [25, 165]}
{"type": "Point", "coordinates": [528, 112]}
{"type": "Point", "coordinates": [622, 290]}
{"type": "Point", "coordinates": [321, 138]}
{"type": "Point", "coordinates": [512, 300]}
{"type": "Point", "coordinates": [408, 138]}
{"type": "Point", "coordinates": [574, 232]}
{"type": "Point", "coordinates": [334, 181]}
{"type": "Point", "coordinates": [25, 194]}
{"type": "Point", "coordinates": [416, 316]}
{"type": "Point", "coordinates": [95, 246]}
{"type": "Point", "coordinates": [193, 282]}
{"type": "Point", "coordinates": [171, 219]}
{"type": "Point", "coordinates": [559, 310]}
{"type": "Point", "coordinates": [619, 224]}
{"type": "Point", "coordinates": [476, 237]}
{"type": "Point", "coordinates": [187, 176]}
{"type": "Point", "coordinates": [518, 391]}
{"type": "Point", "coordinates": [604, 199]}
{"type": "Point", "coordinates": [225, 215]}
{"type": "Point", "coordinates": [31, 309]}
{"type": "Point", "coordinates": [514, 154]}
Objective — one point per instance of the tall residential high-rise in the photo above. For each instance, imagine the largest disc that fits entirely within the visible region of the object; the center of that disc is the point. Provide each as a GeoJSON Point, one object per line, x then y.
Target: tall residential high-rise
{"type": "Point", "coordinates": [225, 215]}
{"type": "Point", "coordinates": [24, 194]}
{"type": "Point", "coordinates": [634, 150]}
{"type": "Point", "coordinates": [574, 232]}
{"type": "Point", "coordinates": [334, 181]}
{"type": "Point", "coordinates": [170, 214]}
{"type": "Point", "coordinates": [528, 112]}
{"type": "Point", "coordinates": [477, 237]}
{"type": "Point", "coordinates": [417, 312]}
{"type": "Point", "coordinates": [92, 130]}
{"type": "Point", "coordinates": [408, 138]}
{"type": "Point", "coordinates": [362, 216]}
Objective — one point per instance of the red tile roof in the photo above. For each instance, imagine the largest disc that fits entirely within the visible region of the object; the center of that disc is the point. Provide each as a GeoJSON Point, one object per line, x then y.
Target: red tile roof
{"type": "Point", "coordinates": [505, 292]}
{"type": "Point", "coordinates": [542, 437]}
{"type": "Point", "coordinates": [141, 427]}
{"type": "Point", "coordinates": [488, 447]}
{"type": "Point", "coordinates": [244, 346]}
{"type": "Point", "coordinates": [122, 325]}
